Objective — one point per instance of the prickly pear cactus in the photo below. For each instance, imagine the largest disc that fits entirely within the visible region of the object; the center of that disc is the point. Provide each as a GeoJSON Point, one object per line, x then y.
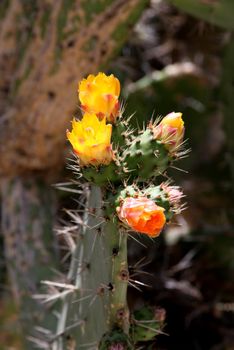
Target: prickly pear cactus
{"type": "Point", "coordinates": [117, 170]}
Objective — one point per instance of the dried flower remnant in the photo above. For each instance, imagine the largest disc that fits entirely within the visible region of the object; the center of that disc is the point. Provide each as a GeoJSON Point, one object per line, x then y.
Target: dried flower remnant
{"type": "Point", "coordinates": [174, 195]}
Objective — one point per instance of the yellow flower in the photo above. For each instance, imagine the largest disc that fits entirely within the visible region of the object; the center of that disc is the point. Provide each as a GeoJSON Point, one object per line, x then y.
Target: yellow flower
{"type": "Point", "coordinates": [99, 95]}
{"type": "Point", "coordinates": [170, 131]}
{"type": "Point", "coordinates": [90, 139]}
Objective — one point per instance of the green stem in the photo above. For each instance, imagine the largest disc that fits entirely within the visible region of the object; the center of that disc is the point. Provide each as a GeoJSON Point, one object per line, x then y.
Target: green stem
{"type": "Point", "coordinates": [83, 318]}
{"type": "Point", "coordinates": [119, 313]}
{"type": "Point", "coordinates": [99, 271]}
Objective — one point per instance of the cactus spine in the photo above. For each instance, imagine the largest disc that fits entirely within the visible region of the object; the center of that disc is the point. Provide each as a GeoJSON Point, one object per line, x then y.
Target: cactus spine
{"type": "Point", "coordinates": [120, 197]}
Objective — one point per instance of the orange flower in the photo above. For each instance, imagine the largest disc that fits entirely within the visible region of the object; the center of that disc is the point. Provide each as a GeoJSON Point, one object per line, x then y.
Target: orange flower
{"type": "Point", "coordinates": [90, 138]}
{"type": "Point", "coordinates": [143, 215]}
{"type": "Point", "coordinates": [170, 131]}
{"type": "Point", "coordinates": [99, 95]}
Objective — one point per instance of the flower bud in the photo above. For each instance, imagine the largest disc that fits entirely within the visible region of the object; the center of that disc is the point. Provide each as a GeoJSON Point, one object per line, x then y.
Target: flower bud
{"type": "Point", "coordinates": [99, 95]}
{"type": "Point", "coordinates": [90, 139]}
{"type": "Point", "coordinates": [142, 215]}
{"type": "Point", "coordinates": [170, 131]}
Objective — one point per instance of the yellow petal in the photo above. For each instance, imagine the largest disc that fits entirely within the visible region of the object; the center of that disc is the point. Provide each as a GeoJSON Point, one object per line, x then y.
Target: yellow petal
{"type": "Point", "coordinates": [91, 140]}
{"type": "Point", "coordinates": [173, 120]}
{"type": "Point", "coordinates": [99, 95]}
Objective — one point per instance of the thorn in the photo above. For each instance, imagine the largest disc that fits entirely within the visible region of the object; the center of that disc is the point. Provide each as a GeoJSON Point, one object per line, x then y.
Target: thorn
{"type": "Point", "coordinates": [133, 285]}
{"type": "Point", "coordinates": [182, 170]}
{"type": "Point", "coordinates": [68, 328]}
{"type": "Point", "coordinates": [136, 240]}
{"type": "Point", "coordinates": [60, 285]}
{"type": "Point", "coordinates": [43, 330]}
{"type": "Point", "coordinates": [156, 331]}
{"type": "Point", "coordinates": [81, 299]}
{"type": "Point", "coordinates": [140, 283]}
{"type": "Point", "coordinates": [41, 344]}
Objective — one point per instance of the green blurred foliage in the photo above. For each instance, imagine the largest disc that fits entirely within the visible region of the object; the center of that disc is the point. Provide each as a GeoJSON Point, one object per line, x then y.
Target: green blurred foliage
{"type": "Point", "coordinates": [218, 12]}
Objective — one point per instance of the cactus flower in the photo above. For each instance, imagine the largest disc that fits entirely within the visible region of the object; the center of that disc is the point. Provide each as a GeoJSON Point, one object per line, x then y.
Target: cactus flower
{"type": "Point", "coordinates": [99, 95]}
{"type": "Point", "coordinates": [90, 139]}
{"type": "Point", "coordinates": [170, 131]}
{"type": "Point", "coordinates": [143, 215]}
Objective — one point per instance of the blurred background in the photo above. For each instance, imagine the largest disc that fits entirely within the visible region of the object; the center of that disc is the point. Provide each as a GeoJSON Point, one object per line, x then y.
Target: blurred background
{"type": "Point", "coordinates": [173, 55]}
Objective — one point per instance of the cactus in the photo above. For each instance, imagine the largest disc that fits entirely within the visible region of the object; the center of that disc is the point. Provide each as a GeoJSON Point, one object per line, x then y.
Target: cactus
{"type": "Point", "coordinates": [29, 248]}
{"type": "Point", "coordinates": [147, 155]}
{"type": "Point", "coordinates": [146, 323]}
{"type": "Point", "coordinates": [42, 35]}
{"type": "Point", "coordinates": [120, 197]}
